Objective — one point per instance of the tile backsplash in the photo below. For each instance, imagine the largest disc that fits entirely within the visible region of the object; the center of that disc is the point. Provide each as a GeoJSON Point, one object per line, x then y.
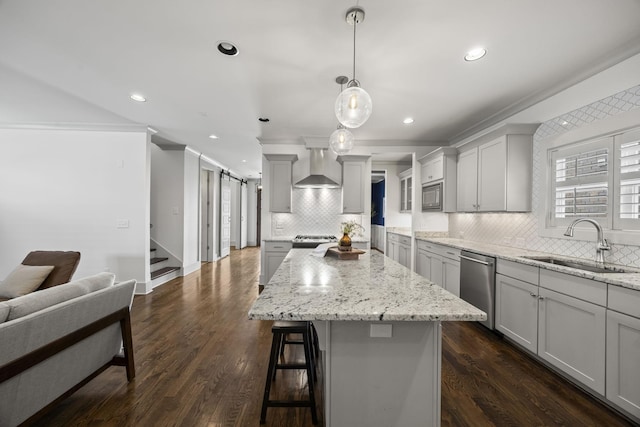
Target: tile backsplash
{"type": "Point", "coordinates": [521, 230]}
{"type": "Point", "coordinates": [315, 211]}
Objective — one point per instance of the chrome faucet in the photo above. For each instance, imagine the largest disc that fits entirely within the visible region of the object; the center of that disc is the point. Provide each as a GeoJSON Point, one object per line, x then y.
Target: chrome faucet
{"type": "Point", "coordinates": [601, 245]}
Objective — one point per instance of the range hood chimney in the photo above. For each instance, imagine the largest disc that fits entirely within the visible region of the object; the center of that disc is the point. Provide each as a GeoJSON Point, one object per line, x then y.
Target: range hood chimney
{"type": "Point", "coordinates": [317, 172]}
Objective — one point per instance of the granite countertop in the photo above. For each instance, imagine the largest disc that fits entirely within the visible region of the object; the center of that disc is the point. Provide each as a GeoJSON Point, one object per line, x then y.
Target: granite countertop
{"type": "Point", "coordinates": [372, 288]}
{"type": "Point", "coordinates": [399, 230]}
{"type": "Point", "coordinates": [626, 280]}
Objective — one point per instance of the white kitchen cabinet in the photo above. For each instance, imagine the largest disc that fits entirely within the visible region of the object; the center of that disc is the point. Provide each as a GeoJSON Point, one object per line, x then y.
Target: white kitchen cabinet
{"type": "Point", "coordinates": [516, 313]}
{"type": "Point", "coordinates": [440, 264]}
{"type": "Point", "coordinates": [399, 248]}
{"type": "Point", "coordinates": [467, 191]}
{"type": "Point", "coordinates": [280, 181]}
{"type": "Point", "coordinates": [572, 336]}
{"type": "Point", "coordinates": [274, 253]}
{"type": "Point", "coordinates": [433, 170]}
{"type": "Point", "coordinates": [353, 179]}
{"type": "Point", "coordinates": [440, 166]}
{"type": "Point", "coordinates": [406, 190]}
{"type": "Point", "coordinates": [623, 349]}
{"type": "Point", "coordinates": [496, 176]}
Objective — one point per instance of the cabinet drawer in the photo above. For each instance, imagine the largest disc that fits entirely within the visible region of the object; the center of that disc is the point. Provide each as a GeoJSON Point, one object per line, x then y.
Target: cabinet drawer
{"type": "Point", "coordinates": [524, 272]}
{"type": "Point", "coordinates": [392, 237]}
{"type": "Point", "coordinates": [404, 240]}
{"type": "Point", "coordinates": [277, 246]}
{"type": "Point", "coordinates": [425, 246]}
{"type": "Point", "coordinates": [577, 287]}
{"type": "Point", "coordinates": [624, 300]}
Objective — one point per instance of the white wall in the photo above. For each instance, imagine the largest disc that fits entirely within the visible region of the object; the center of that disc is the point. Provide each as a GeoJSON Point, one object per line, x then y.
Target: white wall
{"type": "Point", "coordinates": [191, 245]}
{"type": "Point", "coordinates": [252, 212]}
{"type": "Point", "coordinates": [69, 190]}
{"type": "Point", "coordinates": [167, 199]}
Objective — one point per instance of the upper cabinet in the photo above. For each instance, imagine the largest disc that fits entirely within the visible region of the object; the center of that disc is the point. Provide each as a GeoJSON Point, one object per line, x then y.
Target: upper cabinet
{"type": "Point", "coordinates": [353, 181]}
{"type": "Point", "coordinates": [280, 181]}
{"type": "Point", "coordinates": [440, 166]}
{"type": "Point", "coordinates": [406, 190]}
{"type": "Point", "coordinates": [496, 176]}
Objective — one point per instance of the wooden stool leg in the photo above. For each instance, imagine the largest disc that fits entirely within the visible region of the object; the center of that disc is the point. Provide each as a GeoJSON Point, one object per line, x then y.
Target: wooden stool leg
{"type": "Point", "coordinates": [310, 375]}
{"type": "Point", "coordinates": [270, 374]}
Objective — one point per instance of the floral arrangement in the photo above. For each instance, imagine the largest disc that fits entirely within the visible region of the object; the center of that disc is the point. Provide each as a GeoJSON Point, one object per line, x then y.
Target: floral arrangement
{"type": "Point", "coordinates": [352, 228]}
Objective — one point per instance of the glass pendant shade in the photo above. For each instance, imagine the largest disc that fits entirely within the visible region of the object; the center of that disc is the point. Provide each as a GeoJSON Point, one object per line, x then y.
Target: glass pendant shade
{"type": "Point", "coordinates": [353, 107]}
{"type": "Point", "coordinates": [341, 141]}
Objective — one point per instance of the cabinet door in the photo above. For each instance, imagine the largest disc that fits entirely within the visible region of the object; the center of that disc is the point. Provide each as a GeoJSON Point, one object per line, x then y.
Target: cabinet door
{"type": "Point", "coordinates": [451, 273]}
{"type": "Point", "coordinates": [623, 361]}
{"type": "Point", "coordinates": [467, 191]}
{"type": "Point", "coordinates": [280, 191]}
{"type": "Point", "coordinates": [517, 311]}
{"type": "Point", "coordinates": [571, 337]}
{"type": "Point", "coordinates": [409, 193]}
{"type": "Point", "coordinates": [423, 264]}
{"type": "Point", "coordinates": [404, 256]}
{"type": "Point", "coordinates": [273, 261]}
{"type": "Point", "coordinates": [433, 170]}
{"type": "Point", "coordinates": [437, 271]}
{"type": "Point", "coordinates": [492, 176]}
{"type": "Point", "coordinates": [352, 187]}
{"type": "Point", "coordinates": [403, 195]}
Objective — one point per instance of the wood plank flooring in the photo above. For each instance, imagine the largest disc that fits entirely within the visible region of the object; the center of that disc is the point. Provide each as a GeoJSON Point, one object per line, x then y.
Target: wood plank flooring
{"type": "Point", "coordinates": [201, 362]}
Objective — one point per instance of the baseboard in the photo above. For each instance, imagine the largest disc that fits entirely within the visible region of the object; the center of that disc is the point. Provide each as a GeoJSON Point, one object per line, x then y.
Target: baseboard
{"type": "Point", "coordinates": [143, 288]}
{"type": "Point", "coordinates": [191, 268]}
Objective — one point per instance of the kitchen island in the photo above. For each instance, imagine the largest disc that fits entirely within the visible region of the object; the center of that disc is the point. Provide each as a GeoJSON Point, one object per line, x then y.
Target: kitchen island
{"type": "Point", "coordinates": [379, 329]}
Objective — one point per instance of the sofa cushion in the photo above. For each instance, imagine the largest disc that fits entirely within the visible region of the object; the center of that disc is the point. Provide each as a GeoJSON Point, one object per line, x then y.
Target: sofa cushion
{"type": "Point", "coordinates": [39, 300]}
{"type": "Point", "coordinates": [23, 280]}
{"type": "Point", "coordinates": [4, 311]}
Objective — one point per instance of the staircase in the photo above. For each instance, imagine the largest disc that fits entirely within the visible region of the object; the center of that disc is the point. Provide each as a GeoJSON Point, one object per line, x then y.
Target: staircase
{"type": "Point", "coordinates": [160, 272]}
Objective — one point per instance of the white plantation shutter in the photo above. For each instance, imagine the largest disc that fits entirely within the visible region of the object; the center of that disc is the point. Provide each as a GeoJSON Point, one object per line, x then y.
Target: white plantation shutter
{"type": "Point", "coordinates": [581, 182]}
{"type": "Point", "coordinates": [627, 203]}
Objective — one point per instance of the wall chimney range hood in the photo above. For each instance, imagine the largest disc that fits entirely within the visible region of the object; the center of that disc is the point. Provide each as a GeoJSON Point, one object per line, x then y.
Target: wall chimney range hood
{"type": "Point", "coordinates": [317, 177]}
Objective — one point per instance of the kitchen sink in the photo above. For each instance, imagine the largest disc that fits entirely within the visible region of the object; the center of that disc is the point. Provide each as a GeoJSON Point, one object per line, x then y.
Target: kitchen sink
{"type": "Point", "coordinates": [581, 265]}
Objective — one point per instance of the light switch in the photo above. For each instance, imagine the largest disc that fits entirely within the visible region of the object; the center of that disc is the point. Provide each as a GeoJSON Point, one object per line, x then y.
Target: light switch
{"type": "Point", "coordinates": [380, 330]}
{"type": "Point", "coordinates": [122, 223]}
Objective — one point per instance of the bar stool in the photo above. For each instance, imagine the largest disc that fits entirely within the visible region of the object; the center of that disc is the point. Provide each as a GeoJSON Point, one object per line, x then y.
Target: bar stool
{"type": "Point", "coordinates": [280, 330]}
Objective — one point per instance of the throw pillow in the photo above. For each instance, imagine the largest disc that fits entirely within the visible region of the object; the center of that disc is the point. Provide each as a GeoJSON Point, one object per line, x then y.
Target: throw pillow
{"type": "Point", "coordinates": [24, 280]}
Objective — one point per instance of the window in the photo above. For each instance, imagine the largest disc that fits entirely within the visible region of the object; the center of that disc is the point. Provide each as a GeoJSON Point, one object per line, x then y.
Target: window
{"type": "Point", "coordinates": [581, 182]}
{"type": "Point", "coordinates": [627, 204]}
{"type": "Point", "coordinates": [599, 179]}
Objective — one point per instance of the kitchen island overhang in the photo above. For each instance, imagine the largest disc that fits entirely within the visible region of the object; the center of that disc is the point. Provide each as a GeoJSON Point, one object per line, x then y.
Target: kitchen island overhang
{"type": "Point", "coordinates": [373, 377]}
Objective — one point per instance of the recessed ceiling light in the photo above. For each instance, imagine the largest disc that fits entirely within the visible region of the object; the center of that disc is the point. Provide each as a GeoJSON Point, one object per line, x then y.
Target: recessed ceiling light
{"type": "Point", "coordinates": [137, 97]}
{"type": "Point", "coordinates": [407, 121]}
{"type": "Point", "coordinates": [475, 54]}
{"type": "Point", "coordinates": [263, 119]}
{"type": "Point", "coordinates": [564, 123]}
{"type": "Point", "coordinates": [244, 161]}
{"type": "Point", "coordinates": [227, 48]}
{"type": "Point", "coordinates": [212, 136]}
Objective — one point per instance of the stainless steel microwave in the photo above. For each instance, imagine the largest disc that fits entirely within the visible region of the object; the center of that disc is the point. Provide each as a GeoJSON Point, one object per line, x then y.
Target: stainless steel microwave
{"type": "Point", "coordinates": [432, 197]}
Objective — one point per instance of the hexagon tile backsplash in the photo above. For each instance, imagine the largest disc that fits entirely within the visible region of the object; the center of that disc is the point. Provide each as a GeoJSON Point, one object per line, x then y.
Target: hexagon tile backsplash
{"type": "Point", "coordinates": [521, 230]}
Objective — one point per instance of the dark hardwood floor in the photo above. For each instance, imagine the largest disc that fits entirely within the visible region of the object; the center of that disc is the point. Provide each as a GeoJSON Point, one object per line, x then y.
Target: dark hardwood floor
{"type": "Point", "coordinates": [201, 362]}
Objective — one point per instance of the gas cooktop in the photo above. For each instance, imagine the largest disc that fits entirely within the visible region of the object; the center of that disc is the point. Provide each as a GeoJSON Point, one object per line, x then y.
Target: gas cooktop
{"type": "Point", "coordinates": [311, 240]}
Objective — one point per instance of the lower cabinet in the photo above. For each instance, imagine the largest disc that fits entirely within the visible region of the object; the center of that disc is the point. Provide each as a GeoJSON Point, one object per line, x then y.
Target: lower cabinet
{"type": "Point", "coordinates": [623, 361]}
{"type": "Point", "coordinates": [517, 311]}
{"type": "Point", "coordinates": [274, 253]}
{"type": "Point", "coordinates": [440, 264]}
{"type": "Point", "coordinates": [571, 337]}
{"type": "Point", "coordinates": [399, 248]}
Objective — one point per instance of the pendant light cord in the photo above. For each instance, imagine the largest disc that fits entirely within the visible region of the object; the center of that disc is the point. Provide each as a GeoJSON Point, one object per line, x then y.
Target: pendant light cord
{"type": "Point", "coordinates": [355, 24]}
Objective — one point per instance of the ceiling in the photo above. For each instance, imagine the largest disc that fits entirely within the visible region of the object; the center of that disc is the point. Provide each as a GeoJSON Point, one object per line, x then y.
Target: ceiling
{"type": "Point", "coordinates": [409, 59]}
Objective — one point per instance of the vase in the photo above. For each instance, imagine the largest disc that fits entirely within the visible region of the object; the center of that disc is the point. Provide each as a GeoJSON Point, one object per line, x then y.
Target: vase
{"type": "Point", "coordinates": [345, 243]}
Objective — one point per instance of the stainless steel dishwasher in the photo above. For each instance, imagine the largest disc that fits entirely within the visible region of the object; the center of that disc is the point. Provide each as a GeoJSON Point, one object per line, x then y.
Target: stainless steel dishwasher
{"type": "Point", "coordinates": [478, 283]}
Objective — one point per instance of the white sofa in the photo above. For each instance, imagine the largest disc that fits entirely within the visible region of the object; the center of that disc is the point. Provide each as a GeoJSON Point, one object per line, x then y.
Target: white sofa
{"type": "Point", "coordinates": [54, 341]}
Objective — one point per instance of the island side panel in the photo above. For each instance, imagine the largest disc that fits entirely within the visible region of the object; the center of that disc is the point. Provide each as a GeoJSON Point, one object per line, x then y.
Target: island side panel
{"type": "Point", "coordinates": [386, 382]}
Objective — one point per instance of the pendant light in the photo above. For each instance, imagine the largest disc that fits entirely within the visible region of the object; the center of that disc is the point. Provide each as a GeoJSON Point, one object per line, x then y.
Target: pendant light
{"type": "Point", "coordinates": [353, 106]}
{"type": "Point", "coordinates": [341, 140]}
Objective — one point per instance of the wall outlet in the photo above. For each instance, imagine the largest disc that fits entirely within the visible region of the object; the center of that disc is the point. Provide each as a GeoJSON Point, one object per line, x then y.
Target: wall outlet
{"type": "Point", "coordinates": [122, 223]}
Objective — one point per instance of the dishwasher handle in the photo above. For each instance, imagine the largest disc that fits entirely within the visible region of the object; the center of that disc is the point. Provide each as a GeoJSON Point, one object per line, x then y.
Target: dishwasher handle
{"type": "Point", "coordinates": [476, 260]}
